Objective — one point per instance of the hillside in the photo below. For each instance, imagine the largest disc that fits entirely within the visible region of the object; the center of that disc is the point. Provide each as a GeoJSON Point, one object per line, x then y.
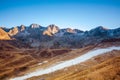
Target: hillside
{"type": "Point", "coordinates": [16, 59]}
{"type": "Point", "coordinates": [97, 68]}
{"type": "Point", "coordinates": [108, 70]}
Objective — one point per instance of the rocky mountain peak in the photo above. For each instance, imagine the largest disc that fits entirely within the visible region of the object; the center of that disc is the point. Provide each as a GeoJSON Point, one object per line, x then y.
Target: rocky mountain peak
{"type": "Point", "coordinates": [78, 31]}
{"type": "Point", "coordinates": [35, 25]}
{"type": "Point", "coordinates": [100, 28]}
{"type": "Point", "coordinates": [70, 30]}
{"type": "Point", "coordinates": [22, 28]}
{"type": "Point", "coordinates": [51, 30]}
{"type": "Point", "coordinates": [13, 31]}
{"type": "Point", "coordinates": [4, 35]}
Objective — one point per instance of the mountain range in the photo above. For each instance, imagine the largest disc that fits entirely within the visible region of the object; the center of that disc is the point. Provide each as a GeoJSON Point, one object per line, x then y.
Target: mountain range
{"type": "Point", "coordinates": [52, 36]}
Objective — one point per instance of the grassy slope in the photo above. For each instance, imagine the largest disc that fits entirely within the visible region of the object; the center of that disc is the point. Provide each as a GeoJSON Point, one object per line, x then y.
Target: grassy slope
{"type": "Point", "coordinates": [15, 62]}
{"type": "Point", "coordinates": [108, 70]}
{"type": "Point", "coordinates": [100, 71]}
{"type": "Point", "coordinates": [103, 67]}
{"type": "Point", "coordinates": [12, 61]}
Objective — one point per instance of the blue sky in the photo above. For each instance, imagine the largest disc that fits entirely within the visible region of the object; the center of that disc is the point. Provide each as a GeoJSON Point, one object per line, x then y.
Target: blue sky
{"type": "Point", "coordinates": [81, 14]}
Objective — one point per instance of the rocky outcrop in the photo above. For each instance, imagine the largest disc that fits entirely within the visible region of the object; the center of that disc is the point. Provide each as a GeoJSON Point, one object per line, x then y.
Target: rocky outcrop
{"type": "Point", "coordinates": [70, 30]}
{"type": "Point", "coordinates": [13, 31]}
{"type": "Point", "coordinates": [22, 28]}
{"type": "Point", "coordinates": [35, 25]}
{"type": "Point", "coordinates": [4, 35]}
{"type": "Point", "coordinates": [51, 30]}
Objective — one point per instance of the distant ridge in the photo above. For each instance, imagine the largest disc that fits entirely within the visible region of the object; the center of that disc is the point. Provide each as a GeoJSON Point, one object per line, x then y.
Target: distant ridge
{"type": "Point", "coordinates": [52, 36]}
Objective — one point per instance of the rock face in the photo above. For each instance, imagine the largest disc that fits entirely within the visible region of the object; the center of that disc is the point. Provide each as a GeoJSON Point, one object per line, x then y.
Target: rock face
{"type": "Point", "coordinates": [4, 35]}
{"type": "Point", "coordinates": [16, 30]}
{"type": "Point", "coordinates": [53, 37]}
{"type": "Point", "coordinates": [13, 32]}
{"type": "Point", "coordinates": [35, 25]}
{"type": "Point", "coordinates": [51, 30]}
{"type": "Point", "coordinates": [22, 28]}
{"type": "Point", "coordinates": [70, 30]}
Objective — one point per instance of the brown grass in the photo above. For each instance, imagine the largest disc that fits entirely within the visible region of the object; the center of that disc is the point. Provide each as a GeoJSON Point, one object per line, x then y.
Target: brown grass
{"type": "Point", "coordinates": [15, 62]}
{"type": "Point", "coordinates": [102, 67]}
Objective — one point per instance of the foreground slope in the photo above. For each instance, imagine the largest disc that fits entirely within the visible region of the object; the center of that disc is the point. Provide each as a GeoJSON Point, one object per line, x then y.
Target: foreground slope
{"type": "Point", "coordinates": [102, 67]}
{"type": "Point", "coordinates": [16, 59]}
{"type": "Point", "coordinates": [107, 70]}
{"type": "Point", "coordinates": [64, 64]}
{"type": "Point", "coordinates": [12, 61]}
